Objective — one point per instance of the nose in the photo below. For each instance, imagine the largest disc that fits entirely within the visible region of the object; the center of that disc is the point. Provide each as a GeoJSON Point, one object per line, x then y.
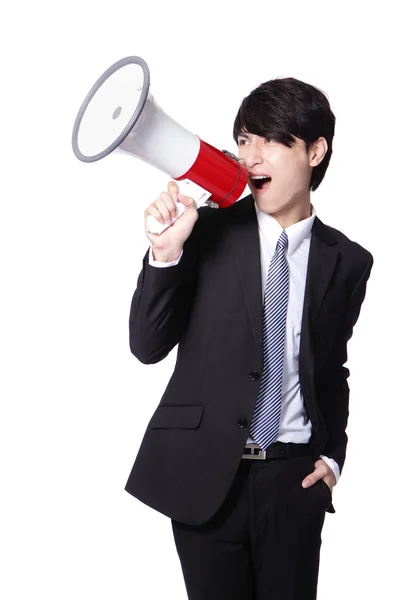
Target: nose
{"type": "Point", "coordinates": [250, 157]}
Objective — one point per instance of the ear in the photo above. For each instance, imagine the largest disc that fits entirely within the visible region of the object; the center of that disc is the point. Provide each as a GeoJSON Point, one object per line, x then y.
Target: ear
{"type": "Point", "coordinates": [317, 151]}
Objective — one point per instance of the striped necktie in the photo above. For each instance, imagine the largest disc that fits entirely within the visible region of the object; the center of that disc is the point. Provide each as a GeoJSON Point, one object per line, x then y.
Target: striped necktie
{"type": "Point", "coordinates": [265, 423]}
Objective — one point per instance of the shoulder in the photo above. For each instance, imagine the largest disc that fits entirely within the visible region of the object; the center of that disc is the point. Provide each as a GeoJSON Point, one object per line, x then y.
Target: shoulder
{"type": "Point", "coordinates": [240, 209]}
{"type": "Point", "coordinates": [356, 260]}
{"type": "Point", "coordinates": [352, 249]}
{"type": "Point", "coordinates": [215, 219]}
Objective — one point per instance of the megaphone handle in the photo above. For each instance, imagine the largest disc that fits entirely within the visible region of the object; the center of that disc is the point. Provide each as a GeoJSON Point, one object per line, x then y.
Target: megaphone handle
{"type": "Point", "coordinates": [199, 195]}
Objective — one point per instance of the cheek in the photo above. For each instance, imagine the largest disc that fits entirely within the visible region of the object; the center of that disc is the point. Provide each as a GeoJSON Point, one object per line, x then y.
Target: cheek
{"type": "Point", "coordinates": [294, 177]}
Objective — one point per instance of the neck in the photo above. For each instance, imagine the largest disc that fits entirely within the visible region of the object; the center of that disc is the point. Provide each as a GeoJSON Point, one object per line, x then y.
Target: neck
{"type": "Point", "coordinates": [289, 215]}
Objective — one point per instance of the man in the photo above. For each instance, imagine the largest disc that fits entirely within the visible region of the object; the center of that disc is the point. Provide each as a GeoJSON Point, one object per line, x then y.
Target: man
{"type": "Point", "coordinates": [249, 437]}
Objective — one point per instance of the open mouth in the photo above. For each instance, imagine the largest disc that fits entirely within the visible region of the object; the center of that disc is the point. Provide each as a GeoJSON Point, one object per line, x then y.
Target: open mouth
{"type": "Point", "coordinates": [260, 181]}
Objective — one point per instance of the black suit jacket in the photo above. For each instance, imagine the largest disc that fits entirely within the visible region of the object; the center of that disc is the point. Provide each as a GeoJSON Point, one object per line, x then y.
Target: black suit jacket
{"type": "Point", "coordinates": [211, 304]}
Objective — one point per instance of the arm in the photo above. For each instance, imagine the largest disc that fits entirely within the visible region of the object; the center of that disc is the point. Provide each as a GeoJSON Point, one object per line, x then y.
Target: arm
{"type": "Point", "coordinates": [332, 388]}
{"type": "Point", "coordinates": [162, 302]}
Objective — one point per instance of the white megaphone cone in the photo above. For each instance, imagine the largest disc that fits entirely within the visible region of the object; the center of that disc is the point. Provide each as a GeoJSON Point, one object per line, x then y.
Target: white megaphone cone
{"type": "Point", "coordinates": [120, 113]}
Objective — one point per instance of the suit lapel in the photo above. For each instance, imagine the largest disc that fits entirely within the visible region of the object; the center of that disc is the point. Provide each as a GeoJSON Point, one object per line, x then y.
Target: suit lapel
{"type": "Point", "coordinates": [246, 253]}
{"type": "Point", "coordinates": [322, 261]}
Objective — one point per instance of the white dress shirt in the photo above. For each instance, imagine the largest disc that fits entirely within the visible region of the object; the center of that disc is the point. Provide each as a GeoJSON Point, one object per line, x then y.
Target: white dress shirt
{"type": "Point", "coordinates": [295, 426]}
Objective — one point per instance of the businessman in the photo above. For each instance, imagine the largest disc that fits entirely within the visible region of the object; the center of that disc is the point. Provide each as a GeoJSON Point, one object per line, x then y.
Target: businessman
{"type": "Point", "coordinates": [249, 437]}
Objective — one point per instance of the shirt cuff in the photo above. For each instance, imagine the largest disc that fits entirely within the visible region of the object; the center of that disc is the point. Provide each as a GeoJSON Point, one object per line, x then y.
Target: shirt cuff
{"type": "Point", "coordinates": [333, 465]}
{"type": "Point", "coordinates": [157, 263]}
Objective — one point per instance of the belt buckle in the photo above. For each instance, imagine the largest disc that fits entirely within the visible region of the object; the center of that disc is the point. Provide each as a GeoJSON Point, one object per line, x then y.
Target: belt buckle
{"type": "Point", "coordinates": [256, 453]}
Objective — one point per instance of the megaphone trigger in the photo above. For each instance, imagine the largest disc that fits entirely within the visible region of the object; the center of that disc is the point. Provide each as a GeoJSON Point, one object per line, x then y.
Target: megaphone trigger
{"type": "Point", "coordinates": [189, 188]}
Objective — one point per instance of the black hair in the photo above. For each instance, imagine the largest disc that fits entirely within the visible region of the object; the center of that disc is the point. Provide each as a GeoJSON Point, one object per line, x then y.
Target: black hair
{"type": "Point", "coordinates": [282, 108]}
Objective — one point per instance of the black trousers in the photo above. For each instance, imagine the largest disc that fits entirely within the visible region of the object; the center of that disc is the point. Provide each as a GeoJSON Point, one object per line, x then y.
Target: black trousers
{"type": "Point", "coordinates": [264, 542]}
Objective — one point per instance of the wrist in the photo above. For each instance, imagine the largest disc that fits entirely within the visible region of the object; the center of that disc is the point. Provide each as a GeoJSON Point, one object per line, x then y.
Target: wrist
{"type": "Point", "coordinates": [164, 255]}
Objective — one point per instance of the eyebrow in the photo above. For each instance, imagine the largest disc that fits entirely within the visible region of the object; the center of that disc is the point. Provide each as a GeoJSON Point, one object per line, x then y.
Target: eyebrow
{"type": "Point", "coordinates": [246, 135]}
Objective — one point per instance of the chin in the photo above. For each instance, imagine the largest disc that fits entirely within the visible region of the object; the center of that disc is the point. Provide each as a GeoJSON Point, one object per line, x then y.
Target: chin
{"type": "Point", "coordinates": [267, 204]}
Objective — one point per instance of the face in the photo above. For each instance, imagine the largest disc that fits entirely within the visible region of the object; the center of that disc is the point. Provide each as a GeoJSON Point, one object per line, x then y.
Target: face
{"type": "Point", "coordinates": [287, 192]}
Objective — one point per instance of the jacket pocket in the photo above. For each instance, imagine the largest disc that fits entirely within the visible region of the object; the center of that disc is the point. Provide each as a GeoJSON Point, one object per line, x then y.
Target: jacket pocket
{"type": "Point", "coordinates": [177, 416]}
{"type": "Point", "coordinates": [327, 489]}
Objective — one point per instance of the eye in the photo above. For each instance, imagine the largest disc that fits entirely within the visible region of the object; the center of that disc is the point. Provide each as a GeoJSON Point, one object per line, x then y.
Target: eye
{"type": "Point", "coordinates": [242, 142]}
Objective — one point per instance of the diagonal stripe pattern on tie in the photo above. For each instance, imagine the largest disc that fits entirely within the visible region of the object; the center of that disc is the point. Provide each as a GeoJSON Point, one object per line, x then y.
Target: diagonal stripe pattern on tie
{"type": "Point", "coordinates": [265, 423]}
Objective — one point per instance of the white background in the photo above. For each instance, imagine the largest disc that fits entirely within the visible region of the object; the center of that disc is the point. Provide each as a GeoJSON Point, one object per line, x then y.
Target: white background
{"type": "Point", "coordinates": [74, 401]}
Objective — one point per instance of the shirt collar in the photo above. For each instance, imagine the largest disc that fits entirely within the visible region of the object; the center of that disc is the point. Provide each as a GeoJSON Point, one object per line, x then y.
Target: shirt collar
{"type": "Point", "coordinates": [297, 232]}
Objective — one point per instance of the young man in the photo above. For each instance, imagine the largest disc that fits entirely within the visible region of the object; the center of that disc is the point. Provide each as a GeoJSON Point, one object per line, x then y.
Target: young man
{"type": "Point", "coordinates": [249, 437]}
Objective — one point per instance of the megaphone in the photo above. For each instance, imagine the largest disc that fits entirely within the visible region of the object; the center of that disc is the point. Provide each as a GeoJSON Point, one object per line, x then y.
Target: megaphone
{"type": "Point", "coordinates": [120, 114]}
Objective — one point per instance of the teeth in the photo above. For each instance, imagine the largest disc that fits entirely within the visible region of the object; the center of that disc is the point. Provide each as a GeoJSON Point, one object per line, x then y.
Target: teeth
{"type": "Point", "coordinates": [260, 176]}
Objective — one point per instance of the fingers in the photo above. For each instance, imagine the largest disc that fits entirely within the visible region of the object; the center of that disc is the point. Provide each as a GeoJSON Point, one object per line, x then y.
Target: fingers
{"type": "Point", "coordinates": [166, 206]}
{"type": "Point", "coordinates": [173, 190]}
{"type": "Point", "coordinates": [163, 209]}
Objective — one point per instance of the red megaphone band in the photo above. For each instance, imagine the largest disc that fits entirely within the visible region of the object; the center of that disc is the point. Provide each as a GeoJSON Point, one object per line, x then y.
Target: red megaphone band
{"type": "Point", "coordinates": [216, 172]}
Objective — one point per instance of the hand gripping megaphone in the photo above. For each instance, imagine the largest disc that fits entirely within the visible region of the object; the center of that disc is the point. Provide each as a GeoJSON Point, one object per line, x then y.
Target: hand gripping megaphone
{"type": "Point", "coordinates": [120, 114]}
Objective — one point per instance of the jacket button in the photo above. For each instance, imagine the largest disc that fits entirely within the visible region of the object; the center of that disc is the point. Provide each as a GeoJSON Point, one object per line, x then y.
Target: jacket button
{"type": "Point", "coordinates": [254, 375]}
{"type": "Point", "coordinates": [242, 423]}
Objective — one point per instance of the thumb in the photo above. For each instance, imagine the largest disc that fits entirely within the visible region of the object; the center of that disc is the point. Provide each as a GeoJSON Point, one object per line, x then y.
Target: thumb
{"type": "Point", "coordinates": [188, 201]}
{"type": "Point", "coordinates": [310, 479]}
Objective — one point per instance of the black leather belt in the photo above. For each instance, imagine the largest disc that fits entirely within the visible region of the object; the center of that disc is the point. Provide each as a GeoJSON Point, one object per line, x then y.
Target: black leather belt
{"type": "Point", "coordinates": [276, 450]}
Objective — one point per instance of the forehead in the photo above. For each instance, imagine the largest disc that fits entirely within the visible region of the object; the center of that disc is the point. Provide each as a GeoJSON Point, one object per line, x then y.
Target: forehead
{"type": "Point", "coordinates": [247, 135]}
